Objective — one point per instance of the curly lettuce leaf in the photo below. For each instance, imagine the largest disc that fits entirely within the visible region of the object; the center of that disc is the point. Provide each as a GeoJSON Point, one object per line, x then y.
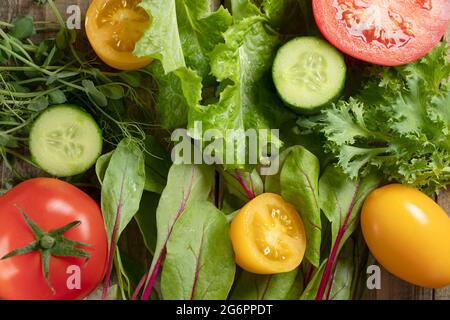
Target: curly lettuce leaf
{"type": "Point", "coordinates": [399, 122]}
{"type": "Point", "coordinates": [182, 33]}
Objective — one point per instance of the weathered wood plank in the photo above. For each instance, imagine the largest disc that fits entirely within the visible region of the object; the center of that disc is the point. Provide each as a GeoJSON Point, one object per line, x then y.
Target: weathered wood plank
{"type": "Point", "coordinates": [13, 8]}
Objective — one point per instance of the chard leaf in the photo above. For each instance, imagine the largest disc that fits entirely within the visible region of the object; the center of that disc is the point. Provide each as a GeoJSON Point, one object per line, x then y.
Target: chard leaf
{"type": "Point", "coordinates": [199, 262]}
{"type": "Point", "coordinates": [362, 259]}
{"type": "Point", "coordinates": [185, 184]}
{"type": "Point", "coordinates": [122, 187]}
{"type": "Point", "coordinates": [298, 184]}
{"type": "Point", "coordinates": [244, 185]}
{"type": "Point", "coordinates": [341, 199]}
{"type": "Point", "coordinates": [340, 287]}
{"type": "Point", "coordinates": [101, 165]}
{"type": "Point", "coordinates": [283, 286]}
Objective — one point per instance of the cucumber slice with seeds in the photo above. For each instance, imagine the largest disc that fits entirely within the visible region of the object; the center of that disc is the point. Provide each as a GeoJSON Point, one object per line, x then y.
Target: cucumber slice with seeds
{"type": "Point", "coordinates": [309, 73]}
{"type": "Point", "coordinates": [65, 141]}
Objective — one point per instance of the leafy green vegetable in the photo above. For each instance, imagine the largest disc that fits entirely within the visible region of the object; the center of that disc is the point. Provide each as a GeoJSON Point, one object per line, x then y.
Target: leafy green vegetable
{"type": "Point", "coordinates": [101, 165]}
{"type": "Point", "coordinates": [291, 17]}
{"type": "Point", "coordinates": [299, 184]}
{"type": "Point", "coordinates": [248, 99]}
{"type": "Point", "coordinates": [398, 123]}
{"type": "Point", "coordinates": [243, 9]}
{"type": "Point", "coordinates": [146, 219]}
{"type": "Point", "coordinates": [199, 263]}
{"type": "Point", "coordinates": [341, 200]}
{"type": "Point", "coordinates": [185, 184]}
{"type": "Point", "coordinates": [195, 31]}
{"type": "Point", "coordinates": [122, 189]}
{"type": "Point", "coordinates": [238, 56]}
{"type": "Point", "coordinates": [162, 39]}
{"type": "Point", "coordinates": [157, 165]}
{"type": "Point", "coordinates": [311, 289]}
{"type": "Point", "coordinates": [182, 33]}
{"type": "Point", "coordinates": [171, 105]}
{"type": "Point", "coordinates": [283, 286]}
{"type": "Point", "coordinates": [341, 281]}
{"type": "Point", "coordinates": [362, 259]}
{"type": "Point", "coordinates": [244, 185]}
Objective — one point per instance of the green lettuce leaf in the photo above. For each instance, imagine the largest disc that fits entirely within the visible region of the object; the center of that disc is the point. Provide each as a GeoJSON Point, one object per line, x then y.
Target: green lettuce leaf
{"type": "Point", "coordinates": [248, 99]}
{"type": "Point", "coordinates": [171, 106]}
{"type": "Point", "coordinates": [162, 39]}
{"type": "Point", "coordinates": [182, 33]}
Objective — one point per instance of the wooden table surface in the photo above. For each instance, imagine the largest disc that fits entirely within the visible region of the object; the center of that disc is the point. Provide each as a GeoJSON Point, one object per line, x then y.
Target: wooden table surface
{"type": "Point", "coordinates": [391, 287]}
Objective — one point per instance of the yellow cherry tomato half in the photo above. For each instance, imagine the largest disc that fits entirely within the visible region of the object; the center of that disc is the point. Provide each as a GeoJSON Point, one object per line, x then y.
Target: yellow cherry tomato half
{"type": "Point", "coordinates": [113, 28]}
{"type": "Point", "coordinates": [409, 234]}
{"type": "Point", "coordinates": [268, 235]}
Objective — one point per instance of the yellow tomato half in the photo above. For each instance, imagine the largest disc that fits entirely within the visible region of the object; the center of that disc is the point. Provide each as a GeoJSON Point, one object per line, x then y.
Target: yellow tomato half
{"type": "Point", "coordinates": [113, 28]}
{"type": "Point", "coordinates": [409, 234]}
{"type": "Point", "coordinates": [268, 235]}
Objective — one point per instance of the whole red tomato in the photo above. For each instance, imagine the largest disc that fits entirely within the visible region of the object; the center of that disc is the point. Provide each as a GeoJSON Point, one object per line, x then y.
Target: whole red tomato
{"type": "Point", "coordinates": [77, 254]}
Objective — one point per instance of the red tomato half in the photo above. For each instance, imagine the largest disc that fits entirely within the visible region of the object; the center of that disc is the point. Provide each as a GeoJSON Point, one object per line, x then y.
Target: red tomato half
{"type": "Point", "coordinates": [50, 204]}
{"type": "Point", "coordinates": [385, 32]}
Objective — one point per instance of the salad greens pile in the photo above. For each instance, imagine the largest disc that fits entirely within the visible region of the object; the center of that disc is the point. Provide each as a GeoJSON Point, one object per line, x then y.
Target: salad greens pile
{"type": "Point", "coordinates": [214, 66]}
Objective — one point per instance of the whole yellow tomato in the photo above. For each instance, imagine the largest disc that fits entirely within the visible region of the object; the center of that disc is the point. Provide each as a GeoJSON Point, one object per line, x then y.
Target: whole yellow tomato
{"type": "Point", "coordinates": [409, 234]}
{"type": "Point", "coordinates": [113, 28]}
{"type": "Point", "coordinates": [268, 235]}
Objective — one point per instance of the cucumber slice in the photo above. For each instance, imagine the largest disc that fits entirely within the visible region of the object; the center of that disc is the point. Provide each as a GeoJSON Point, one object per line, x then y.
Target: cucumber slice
{"type": "Point", "coordinates": [65, 141]}
{"type": "Point", "coordinates": [309, 73]}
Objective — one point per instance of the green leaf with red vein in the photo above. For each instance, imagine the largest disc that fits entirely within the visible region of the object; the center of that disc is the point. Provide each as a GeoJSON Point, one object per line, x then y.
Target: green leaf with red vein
{"type": "Point", "coordinates": [199, 262]}
{"type": "Point", "coordinates": [122, 189]}
{"type": "Point", "coordinates": [341, 199]}
{"type": "Point", "coordinates": [298, 183]}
